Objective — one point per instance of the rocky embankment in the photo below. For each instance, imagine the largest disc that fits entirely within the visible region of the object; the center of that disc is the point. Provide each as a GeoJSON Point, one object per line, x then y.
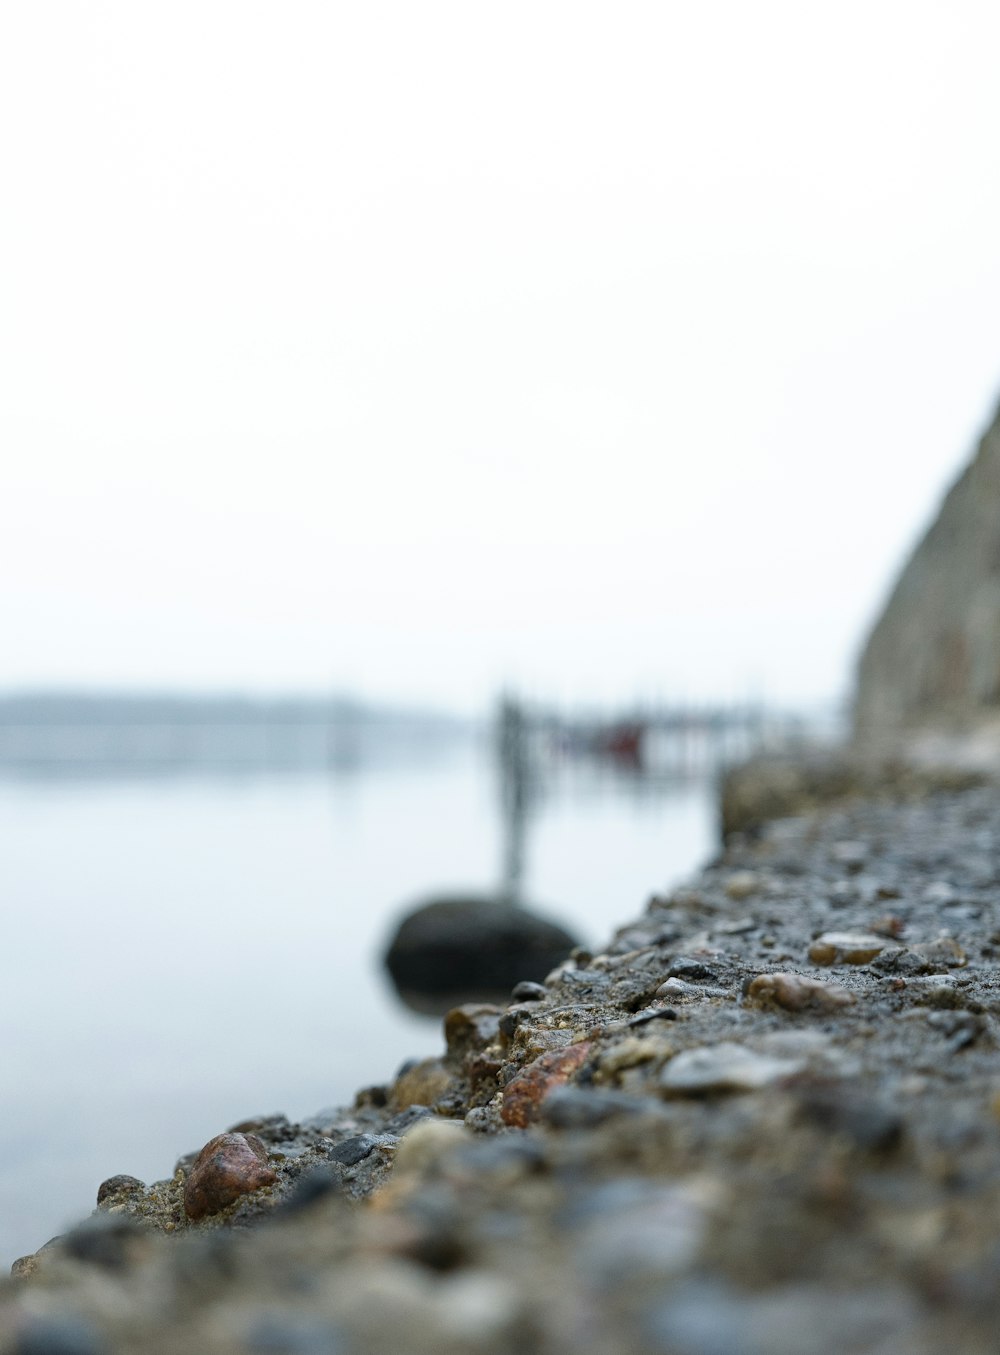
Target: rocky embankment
{"type": "Point", "coordinates": [766, 1119]}
{"type": "Point", "coordinates": [932, 661]}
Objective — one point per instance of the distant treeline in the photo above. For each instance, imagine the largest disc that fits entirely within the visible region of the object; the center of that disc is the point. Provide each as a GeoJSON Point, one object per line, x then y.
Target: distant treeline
{"type": "Point", "coordinates": [86, 708]}
{"type": "Point", "coordinates": [78, 733]}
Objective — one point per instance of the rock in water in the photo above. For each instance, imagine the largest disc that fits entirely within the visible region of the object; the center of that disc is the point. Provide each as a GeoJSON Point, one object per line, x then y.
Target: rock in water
{"type": "Point", "coordinates": [467, 948]}
{"type": "Point", "coordinates": [934, 655]}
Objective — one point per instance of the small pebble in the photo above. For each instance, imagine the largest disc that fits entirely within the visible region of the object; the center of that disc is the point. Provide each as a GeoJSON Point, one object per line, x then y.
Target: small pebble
{"type": "Point", "coordinates": [118, 1187]}
{"type": "Point", "coordinates": [679, 988]}
{"type": "Point", "coordinates": [512, 1018]}
{"type": "Point", "coordinates": [945, 950]}
{"type": "Point", "coordinates": [842, 894]}
{"type": "Point", "coordinates": [739, 926]}
{"type": "Point", "coordinates": [526, 991]}
{"type": "Point", "coordinates": [936, 990]}
{"type": "Point", "coordinates": [724, 1068]}
{"type": "Point", "coordinates": [349, 1152]}
{"type": "Point", "coordinates": [471, 1026]}
{"type": "Point", "coordinates": [796, 992]}
{"type": "Point", "coordinates": [420, 1085]}
{"type": "Point", "coordinates": [230, 1165]}
{"type": "Point", "coordinates": [525, 1093]}
{"type": "Point", "coordinates": [691, 970]}
{"type": "Point", "coordinates": [742, 884]}
{"type": "Point", "coordinates": [653, 1014]}
{"type": "Point", "coordinates": [428, 1144]}
{"type": "Point", "coordinates": [889, 925]}
{"type": "Point", "coordinates": [851, 855]}
{"type": "Point", "coordinates": [940, 894]}
{"type": "Point", "coordinates": [845, 948]}
{"type": "Point", "coordinates": [927, 958]}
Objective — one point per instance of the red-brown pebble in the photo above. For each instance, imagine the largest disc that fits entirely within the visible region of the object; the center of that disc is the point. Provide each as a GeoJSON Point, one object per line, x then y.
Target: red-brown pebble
{"type": "Point", "coordinates": [230, 1165]}
{"type": "Point", "coordinates": [526, 1092]}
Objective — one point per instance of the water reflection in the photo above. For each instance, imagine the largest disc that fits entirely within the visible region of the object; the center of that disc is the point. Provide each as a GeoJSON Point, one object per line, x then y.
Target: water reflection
{"type": "Point", "coordinates": [57, 735]}
{"type": "Point", "coordinates": [477, 948]}
{"type": "Point", "coordinates": [192, 944]}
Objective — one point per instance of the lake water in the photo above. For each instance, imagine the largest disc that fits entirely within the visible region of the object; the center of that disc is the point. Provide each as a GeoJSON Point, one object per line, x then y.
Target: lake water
{"type": "Point", "coordinates": [183, 952]}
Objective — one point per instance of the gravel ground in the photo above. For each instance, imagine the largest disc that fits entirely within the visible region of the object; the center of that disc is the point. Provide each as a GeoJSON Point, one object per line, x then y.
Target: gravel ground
{"type": "Point", "coordinates": [766, 1119]}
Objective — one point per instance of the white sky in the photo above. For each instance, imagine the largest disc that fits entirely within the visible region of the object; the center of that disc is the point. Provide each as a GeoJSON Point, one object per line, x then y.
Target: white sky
{"type": "Point", "coordinates": [413, 348]}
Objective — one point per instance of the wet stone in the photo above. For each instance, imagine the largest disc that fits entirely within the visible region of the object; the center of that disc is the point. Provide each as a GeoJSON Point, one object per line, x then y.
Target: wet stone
{"type": "Point", "coordinates": [228, 1166]}
{"type": "Point", "coordinates": [724, 1068]}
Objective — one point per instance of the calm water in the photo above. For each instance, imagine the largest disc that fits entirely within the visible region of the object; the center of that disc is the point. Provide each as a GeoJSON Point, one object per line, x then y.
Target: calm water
{"type": "Point", "coordinates": [182, 953]}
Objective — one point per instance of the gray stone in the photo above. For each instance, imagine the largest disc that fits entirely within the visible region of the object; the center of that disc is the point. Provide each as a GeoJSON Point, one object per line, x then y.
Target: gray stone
{"type": "Point", "coordinates": [724, 1067]}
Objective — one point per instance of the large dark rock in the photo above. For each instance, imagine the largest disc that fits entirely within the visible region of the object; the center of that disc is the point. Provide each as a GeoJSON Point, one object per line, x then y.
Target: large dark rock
{"type": "Point", "coordinates": [933, 657]}
{"type": "Point", "coordinates": [471, 947]}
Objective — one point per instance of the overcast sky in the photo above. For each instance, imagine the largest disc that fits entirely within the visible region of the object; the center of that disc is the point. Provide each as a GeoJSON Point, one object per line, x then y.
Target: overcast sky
{"type": "Point", "coordinates": [414, 348]}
